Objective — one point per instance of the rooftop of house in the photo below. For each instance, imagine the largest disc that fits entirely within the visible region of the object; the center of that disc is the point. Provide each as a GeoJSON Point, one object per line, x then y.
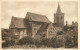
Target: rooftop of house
{"type": "Point", "coordinates": [17, 22]}
{"type": "Point", "coordinates": [37, 17]}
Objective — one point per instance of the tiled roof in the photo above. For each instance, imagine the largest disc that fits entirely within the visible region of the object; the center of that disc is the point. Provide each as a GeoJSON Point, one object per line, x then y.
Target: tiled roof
{"type": "Point", "coordinates": [37, 17]}
{"type": "Point", "coordinates": [43, 27]}
{"type": "Point", "coordinates": [19, 23]}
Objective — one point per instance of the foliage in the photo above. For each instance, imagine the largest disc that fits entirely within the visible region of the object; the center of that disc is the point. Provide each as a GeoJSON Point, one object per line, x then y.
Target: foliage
{"type": "Point", "coordinates": [53, 41]}
{"type": "Point", "coordinates": [75, 39]}
{"type": "Point", "coordinates": [8, 43]}
{"type": "Point", "coordinates": [37, 40]}
{"type": "Point", "coordinates": [46, 42]}
{"type": "Point", "coordinates": [69, 43]}
{"type": "Point", "coordinates": [60, 41]}
{"type": "Point", "coordinates": [5, 33]}
{"type": "Point", "coordinates": [26, 40]}
{"type": "Point", "coordinates": [60, 32]}
{"type": "Point", "coordinates": [65, 28]}
{"type": "Point", "coordinates": [14, 37]}
{"type": "Point", "coordinates": [12, 42]}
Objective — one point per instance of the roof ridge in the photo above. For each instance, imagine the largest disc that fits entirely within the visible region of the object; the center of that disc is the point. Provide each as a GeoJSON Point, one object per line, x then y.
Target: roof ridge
{"type": "Point", "coordinates": [17, 17]}
{"type": "Point", "coordinates": [35, 13]}
{"type": "Point", "coordinates": [37, 17]}
{"type": "Point", "coordinates": [18, 23]}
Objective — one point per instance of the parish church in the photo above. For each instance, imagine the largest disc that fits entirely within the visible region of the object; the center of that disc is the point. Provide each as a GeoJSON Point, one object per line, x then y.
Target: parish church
{"type": "Point", "coordinates": [36, 24]}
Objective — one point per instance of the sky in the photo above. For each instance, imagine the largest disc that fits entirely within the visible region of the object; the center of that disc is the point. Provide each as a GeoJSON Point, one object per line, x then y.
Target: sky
{"type": "Point", "coordinates": [47, 8]}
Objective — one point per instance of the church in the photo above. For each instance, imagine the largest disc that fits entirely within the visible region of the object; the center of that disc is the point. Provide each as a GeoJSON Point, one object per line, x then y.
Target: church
{"type": "Point", "coordinates": [36, 24]}
{"type": "Point", "coordinates": [59, 17]}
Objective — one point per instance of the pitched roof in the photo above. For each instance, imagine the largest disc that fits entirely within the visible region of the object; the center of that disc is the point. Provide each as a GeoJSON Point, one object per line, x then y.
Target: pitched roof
{"type": "Point", "coordinates": [19, 23]}
{"type": "Point", "coordinates": [37, 17]}
{"type": "Point", "coordinates": [43, 27]}
{"type": "Point", "coordinates": [50, 25]}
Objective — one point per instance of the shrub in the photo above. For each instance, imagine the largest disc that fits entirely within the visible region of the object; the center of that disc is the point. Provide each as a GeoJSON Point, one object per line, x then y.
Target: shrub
{"type": "Point", "coordinates": [53, 41]}
{"type": "Point", "coordinates": [5, 32]}
{"type": "Point", "coordinates": [12, 42]}
{"type": "Point", "coordinates": [66, 28]}
{"type": "Point", "coordinates": [8, 43]}
{"type": "Point", "coordinates": [37, 40]}
{"type": "Point", "coordinates": [60, 32]}
{"type": "Point", "coordinates": [46, 42]}
{"type": "Point", "coordinates": [13, 37]}
{"type": "Point", "coordinates": [26, 40]}
{"type": "Point", "coordinates": [60, 41]}
{"type": "Point", "coordinates": [22, 41]}
{"type": "Point", "coordinates": [75, 39]}
{"type": "Point", "coordinates": [68, 43]}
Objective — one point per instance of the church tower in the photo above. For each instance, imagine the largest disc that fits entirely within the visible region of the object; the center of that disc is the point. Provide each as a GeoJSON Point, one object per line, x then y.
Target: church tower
{"type": "Point", "coordinates": [59, 17]}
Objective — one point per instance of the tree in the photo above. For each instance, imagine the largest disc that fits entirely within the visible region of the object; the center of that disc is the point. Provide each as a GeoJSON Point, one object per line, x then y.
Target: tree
{"type": "Point", "coordinates": [60, 32]}
{"type": "Point", "coordinates": [65, 28]}
{"type": "Point", "coordinates": [26, 40]}
{"type": "Point", "coordinates": [5, 33]}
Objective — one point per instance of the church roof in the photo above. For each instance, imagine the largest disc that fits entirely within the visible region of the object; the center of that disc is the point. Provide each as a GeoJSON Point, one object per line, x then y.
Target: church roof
{"type": "Point", "coordinates": [58, 9]}
{"type": "Point", "coordinates": [37, 17]}
{"type": "Point", "coordinates": [43, 27]}
{"type": "Point", "coordinates": [17, 22]}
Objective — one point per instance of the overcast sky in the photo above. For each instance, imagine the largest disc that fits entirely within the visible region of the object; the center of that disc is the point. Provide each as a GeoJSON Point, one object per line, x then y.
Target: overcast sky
{"type": "Point", "coordinates": [19, 9]}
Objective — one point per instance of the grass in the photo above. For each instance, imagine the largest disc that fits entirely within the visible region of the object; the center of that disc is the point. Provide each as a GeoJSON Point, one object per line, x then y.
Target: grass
{"type": "Point", "coordinates": [20, 46]}
{"type": "Point", "coordinates": [27, 46]}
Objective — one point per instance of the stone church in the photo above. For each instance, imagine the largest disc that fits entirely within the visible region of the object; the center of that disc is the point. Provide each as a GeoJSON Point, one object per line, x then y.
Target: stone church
{"type": "Point", "coordinates": [36, 24]}
{"type": "Point", "coordinates": [59, 17]}
{"type": "Point", "coordinates": [28, 26]}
